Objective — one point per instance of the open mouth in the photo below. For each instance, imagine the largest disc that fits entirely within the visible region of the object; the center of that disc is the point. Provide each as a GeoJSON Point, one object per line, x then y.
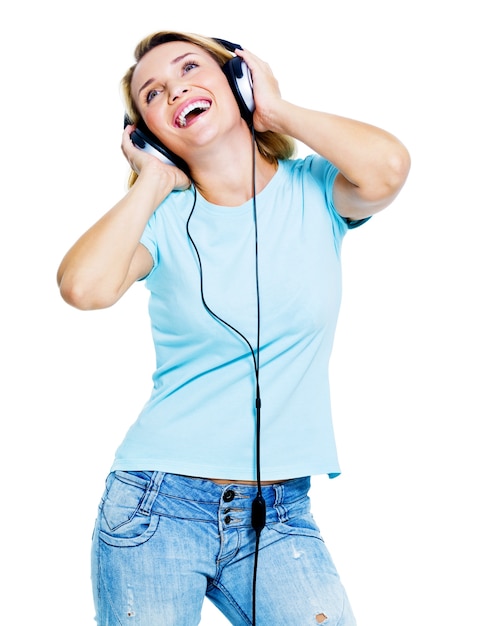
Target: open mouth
{"type": "Point", "coordinates": [191, 111]}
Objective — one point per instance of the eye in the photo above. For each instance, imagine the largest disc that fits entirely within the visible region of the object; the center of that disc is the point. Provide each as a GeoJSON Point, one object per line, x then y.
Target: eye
{"type": "Point", "coordinates": [152, 94]}
{"type": "Point", "coordinates": [189, 65]}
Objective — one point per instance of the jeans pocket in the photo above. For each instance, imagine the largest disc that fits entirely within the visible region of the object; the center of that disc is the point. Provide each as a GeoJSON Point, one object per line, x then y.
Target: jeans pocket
{"type": "Point", "coordinates": [298, 520]}
{"type": "Point", "coordinates": [120, 521]}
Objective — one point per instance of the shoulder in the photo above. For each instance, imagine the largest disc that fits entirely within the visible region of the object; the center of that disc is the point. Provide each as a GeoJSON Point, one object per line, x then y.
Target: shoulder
{"type": "Point", "coordinates": [312, 166]}
{"type": "Point", "coordinates": [323, 176]}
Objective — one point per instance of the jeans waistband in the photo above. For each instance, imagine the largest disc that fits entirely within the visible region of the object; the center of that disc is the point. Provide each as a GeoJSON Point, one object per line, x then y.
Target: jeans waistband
{"type": "Point", "coordinates": [203, 488]}
{"type": "Point", "coordinates": [199, 498]}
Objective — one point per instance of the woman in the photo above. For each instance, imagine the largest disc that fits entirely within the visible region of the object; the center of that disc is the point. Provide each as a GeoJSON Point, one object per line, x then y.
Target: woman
{"type": "Point", "coordinates": [239, 245]}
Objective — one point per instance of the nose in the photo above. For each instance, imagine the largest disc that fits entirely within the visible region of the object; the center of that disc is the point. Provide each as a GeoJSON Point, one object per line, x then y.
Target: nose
{"type": "Point", "coordinates": [177, 91]}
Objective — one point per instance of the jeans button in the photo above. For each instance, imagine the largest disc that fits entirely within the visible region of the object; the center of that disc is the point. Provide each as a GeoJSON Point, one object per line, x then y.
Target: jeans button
{"type": "Point", "coordinates": [227, 519]}
{"type": "Point", "coordinates": [228, 495]}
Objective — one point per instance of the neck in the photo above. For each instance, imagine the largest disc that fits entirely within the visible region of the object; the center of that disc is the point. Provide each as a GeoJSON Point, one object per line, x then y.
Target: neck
{"type": "Point", "coordinates": [224, 175]}
{"type": "Point", "coordinates": [232, 184]}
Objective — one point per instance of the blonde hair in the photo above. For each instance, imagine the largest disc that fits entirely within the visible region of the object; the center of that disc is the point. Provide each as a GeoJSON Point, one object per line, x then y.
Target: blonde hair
{"type": "Point", "coordinates": [272, 146]}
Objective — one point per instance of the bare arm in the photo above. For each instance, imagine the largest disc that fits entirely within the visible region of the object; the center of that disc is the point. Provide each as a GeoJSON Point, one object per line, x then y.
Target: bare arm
{"type": "Point", "coordinates": [108, 258]}
{"type": "Point", "coordinates": [373, 164]}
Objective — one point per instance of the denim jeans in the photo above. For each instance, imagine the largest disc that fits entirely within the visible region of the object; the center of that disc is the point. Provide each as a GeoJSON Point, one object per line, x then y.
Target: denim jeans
{"type": "Point", "coordinates": [162, 543]}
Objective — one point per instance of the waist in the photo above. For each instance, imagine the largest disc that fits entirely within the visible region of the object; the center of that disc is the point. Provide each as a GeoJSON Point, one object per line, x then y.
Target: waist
{"type": "Point", "coordinates": [176, 495]}
{"type": "Point", "coordinates": [250, 483]}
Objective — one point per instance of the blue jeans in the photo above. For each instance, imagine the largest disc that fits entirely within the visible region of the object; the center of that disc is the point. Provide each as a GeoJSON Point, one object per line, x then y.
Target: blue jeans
{"type": "Point", "coordinates": [163, 542]}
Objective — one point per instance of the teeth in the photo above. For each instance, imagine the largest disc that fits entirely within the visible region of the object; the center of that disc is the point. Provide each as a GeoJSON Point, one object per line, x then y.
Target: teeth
{"type": "Point", "coordinates": [199, 104]}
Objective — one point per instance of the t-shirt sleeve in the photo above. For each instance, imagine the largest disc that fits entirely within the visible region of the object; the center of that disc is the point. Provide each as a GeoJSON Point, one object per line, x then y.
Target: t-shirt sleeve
{"type": "Point", "coordinates": [325, 172]}
{"type": "Point", "coordinates": [149, 241]}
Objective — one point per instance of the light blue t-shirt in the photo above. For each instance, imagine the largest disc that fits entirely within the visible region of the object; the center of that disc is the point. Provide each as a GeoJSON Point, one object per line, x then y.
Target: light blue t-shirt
{"type": "Point", "coordinates": [200, 419]}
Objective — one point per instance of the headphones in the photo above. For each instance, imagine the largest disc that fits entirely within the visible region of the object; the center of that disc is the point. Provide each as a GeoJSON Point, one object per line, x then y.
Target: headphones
{"type": "Point", "coordinates": [240, 81]}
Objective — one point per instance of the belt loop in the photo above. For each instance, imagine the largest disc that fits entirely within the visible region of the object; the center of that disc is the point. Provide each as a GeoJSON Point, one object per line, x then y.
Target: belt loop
{"type": "Point", "coordinates": [151, 493]}
{"type": "Point", "coordinates": [277, 505]}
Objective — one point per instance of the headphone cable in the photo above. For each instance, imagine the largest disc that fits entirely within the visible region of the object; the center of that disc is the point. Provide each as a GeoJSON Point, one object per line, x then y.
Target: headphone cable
{"type": "Point", "coordinates": [258, 504]}
{"type": "Point", "coordinates": [258, 517]}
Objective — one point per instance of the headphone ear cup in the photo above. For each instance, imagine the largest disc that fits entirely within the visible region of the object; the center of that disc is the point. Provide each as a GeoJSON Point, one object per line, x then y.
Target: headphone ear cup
{"type": "Point", "coordinates": [240, 81]}
{"type": "Point", "coordinates": [144, 139]}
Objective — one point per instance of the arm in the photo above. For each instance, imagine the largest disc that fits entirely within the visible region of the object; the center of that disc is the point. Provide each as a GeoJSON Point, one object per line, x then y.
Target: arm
{"type": "Point", "coordinates": [108, 258]}
{"type": "Point", "coordinates": [373, 165]}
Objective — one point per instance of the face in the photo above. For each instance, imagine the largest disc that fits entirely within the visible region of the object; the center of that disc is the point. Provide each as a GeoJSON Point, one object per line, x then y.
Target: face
{"type": "Point", "coordinates": [183, 96]}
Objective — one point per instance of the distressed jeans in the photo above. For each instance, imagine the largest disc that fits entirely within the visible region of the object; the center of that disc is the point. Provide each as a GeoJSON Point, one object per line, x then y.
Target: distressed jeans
{"type": "Point", "coordinates": [162, 543]}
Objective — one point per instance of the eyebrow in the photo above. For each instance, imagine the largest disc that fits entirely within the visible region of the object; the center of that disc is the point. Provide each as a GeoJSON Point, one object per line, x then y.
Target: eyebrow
{"type": "Point", "coordinates": [173, 62]}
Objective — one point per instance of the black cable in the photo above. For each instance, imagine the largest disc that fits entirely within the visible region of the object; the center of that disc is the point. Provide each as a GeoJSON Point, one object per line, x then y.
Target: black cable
{"type": "Point", "coordinates": [205, 304]}
{"type": "Point", "coordinates": [258, 504]}
{"type": "Point", "coordinates": [258, 517]}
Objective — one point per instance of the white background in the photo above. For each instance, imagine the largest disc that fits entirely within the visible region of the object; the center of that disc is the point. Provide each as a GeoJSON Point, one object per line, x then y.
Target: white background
{"type": "Point", "coordinates": [404, 520]}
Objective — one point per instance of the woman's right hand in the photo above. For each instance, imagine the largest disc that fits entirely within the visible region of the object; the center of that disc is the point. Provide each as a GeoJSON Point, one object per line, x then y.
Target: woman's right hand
{"type": "Point", "coordinates": [143, 161]}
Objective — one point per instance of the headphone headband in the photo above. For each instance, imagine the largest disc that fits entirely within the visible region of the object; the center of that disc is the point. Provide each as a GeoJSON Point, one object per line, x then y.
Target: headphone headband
{"type": "Point", "coordinates": [228, 44]}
